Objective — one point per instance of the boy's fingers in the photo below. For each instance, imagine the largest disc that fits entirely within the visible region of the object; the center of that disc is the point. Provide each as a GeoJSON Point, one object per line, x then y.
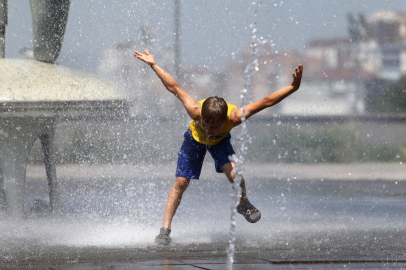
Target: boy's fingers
{"type": "Point", "coordinates": [299, 70]}
{"type": "Point", "coordinates": [137, 54]}
{"type": "Point", "coordinates": [147, 52]}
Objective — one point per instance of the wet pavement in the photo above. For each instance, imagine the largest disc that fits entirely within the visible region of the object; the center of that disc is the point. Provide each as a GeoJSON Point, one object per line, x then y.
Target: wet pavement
{"type": "Point", "coordinates": [116, 259]}
{"type": "Point", "coordinates": [313, 217]}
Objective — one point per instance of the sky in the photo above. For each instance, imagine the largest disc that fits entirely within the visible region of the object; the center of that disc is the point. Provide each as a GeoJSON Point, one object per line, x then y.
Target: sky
{"type": "Point", "coordinates": [211, 30]}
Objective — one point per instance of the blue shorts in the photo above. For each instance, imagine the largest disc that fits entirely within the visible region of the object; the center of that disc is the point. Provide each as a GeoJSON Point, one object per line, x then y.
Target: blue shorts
{"type": "Point", "coordinates": [192, 153]}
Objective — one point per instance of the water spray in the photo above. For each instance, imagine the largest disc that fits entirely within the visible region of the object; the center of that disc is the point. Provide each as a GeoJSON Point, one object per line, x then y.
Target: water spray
{"type": "Point", "coordinates": [243, 139]}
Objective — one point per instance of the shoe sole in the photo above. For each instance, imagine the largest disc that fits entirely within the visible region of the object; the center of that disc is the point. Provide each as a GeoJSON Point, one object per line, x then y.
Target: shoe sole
{"type": "Point", "coordinates": [254, 218]}
{"type": "Point", "coordinates": [162, 241]}
{"type": "Point", "coordinates": [251, 219]}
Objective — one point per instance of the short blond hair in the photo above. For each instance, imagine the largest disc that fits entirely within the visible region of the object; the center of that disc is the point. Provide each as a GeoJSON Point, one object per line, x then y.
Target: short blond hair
{"type": "Point", "coordinates": [214, 109]}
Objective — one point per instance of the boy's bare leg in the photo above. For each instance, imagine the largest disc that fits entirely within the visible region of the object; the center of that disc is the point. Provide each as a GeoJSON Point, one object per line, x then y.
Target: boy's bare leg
{"type": "Point", "coordinates": [228, 170]}
{"type": "Point", "coordinates": [245, 208]}
{"type": "Point", "coordinates": [174, 198]}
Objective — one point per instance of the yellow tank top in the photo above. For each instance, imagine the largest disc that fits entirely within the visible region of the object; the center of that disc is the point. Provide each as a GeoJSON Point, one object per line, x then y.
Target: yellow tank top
{"type": "Point", "coordinates": [200, 136]}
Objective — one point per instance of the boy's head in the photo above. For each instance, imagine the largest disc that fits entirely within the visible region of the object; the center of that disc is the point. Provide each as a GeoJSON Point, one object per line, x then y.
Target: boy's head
{"type": "Point", "coordinates": [214, 115]}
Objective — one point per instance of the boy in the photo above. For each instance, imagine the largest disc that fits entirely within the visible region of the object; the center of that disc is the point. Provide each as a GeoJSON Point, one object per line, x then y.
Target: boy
{"type": "Point", "coordinates": [212, 120]}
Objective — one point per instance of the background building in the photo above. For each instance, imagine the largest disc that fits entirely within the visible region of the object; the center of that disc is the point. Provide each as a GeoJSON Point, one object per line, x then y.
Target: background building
{"type": "Point", "coordinates": [341, 73]}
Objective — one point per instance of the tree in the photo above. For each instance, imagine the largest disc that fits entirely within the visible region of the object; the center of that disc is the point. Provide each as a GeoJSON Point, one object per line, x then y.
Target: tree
{"type": "Point", "coordinates": [357, 28]}
{"type": "Point", "coordinates": [388, 99]}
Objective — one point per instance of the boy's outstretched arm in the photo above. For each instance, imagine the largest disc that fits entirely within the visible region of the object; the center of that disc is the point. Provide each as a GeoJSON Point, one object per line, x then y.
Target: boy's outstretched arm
{"type": "Point", "coordinates": [269, 100]}
{"type": "Point", "coordinates": [192, 107]}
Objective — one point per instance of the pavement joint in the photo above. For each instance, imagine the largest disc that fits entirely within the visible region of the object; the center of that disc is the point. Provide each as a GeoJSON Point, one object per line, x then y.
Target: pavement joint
{"type": "Point", "coordinates": [183, 263]}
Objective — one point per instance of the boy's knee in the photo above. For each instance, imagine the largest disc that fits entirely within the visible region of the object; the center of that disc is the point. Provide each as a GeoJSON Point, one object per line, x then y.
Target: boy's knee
{"type": "Point", "coordinates": [228, 169]}
{"type": "Point", "coordinates": [181, 183]}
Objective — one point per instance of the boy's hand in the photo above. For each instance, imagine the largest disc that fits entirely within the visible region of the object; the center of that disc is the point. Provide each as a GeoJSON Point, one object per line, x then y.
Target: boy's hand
{"type": "Point", "coordinates": [297, 77]}
{"type": "Point", "coordinates": [147, 57]}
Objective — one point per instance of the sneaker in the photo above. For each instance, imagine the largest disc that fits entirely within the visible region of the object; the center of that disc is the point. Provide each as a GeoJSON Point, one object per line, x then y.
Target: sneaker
{"type": "Point", "coordinates": [163, 237]}
{"type": "Point", "coordinates": [249, 211]}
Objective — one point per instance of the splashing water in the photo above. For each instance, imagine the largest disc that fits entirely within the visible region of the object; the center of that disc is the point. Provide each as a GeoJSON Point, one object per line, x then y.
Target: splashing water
{"type": "Point", "coordinates": [243, 139]}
